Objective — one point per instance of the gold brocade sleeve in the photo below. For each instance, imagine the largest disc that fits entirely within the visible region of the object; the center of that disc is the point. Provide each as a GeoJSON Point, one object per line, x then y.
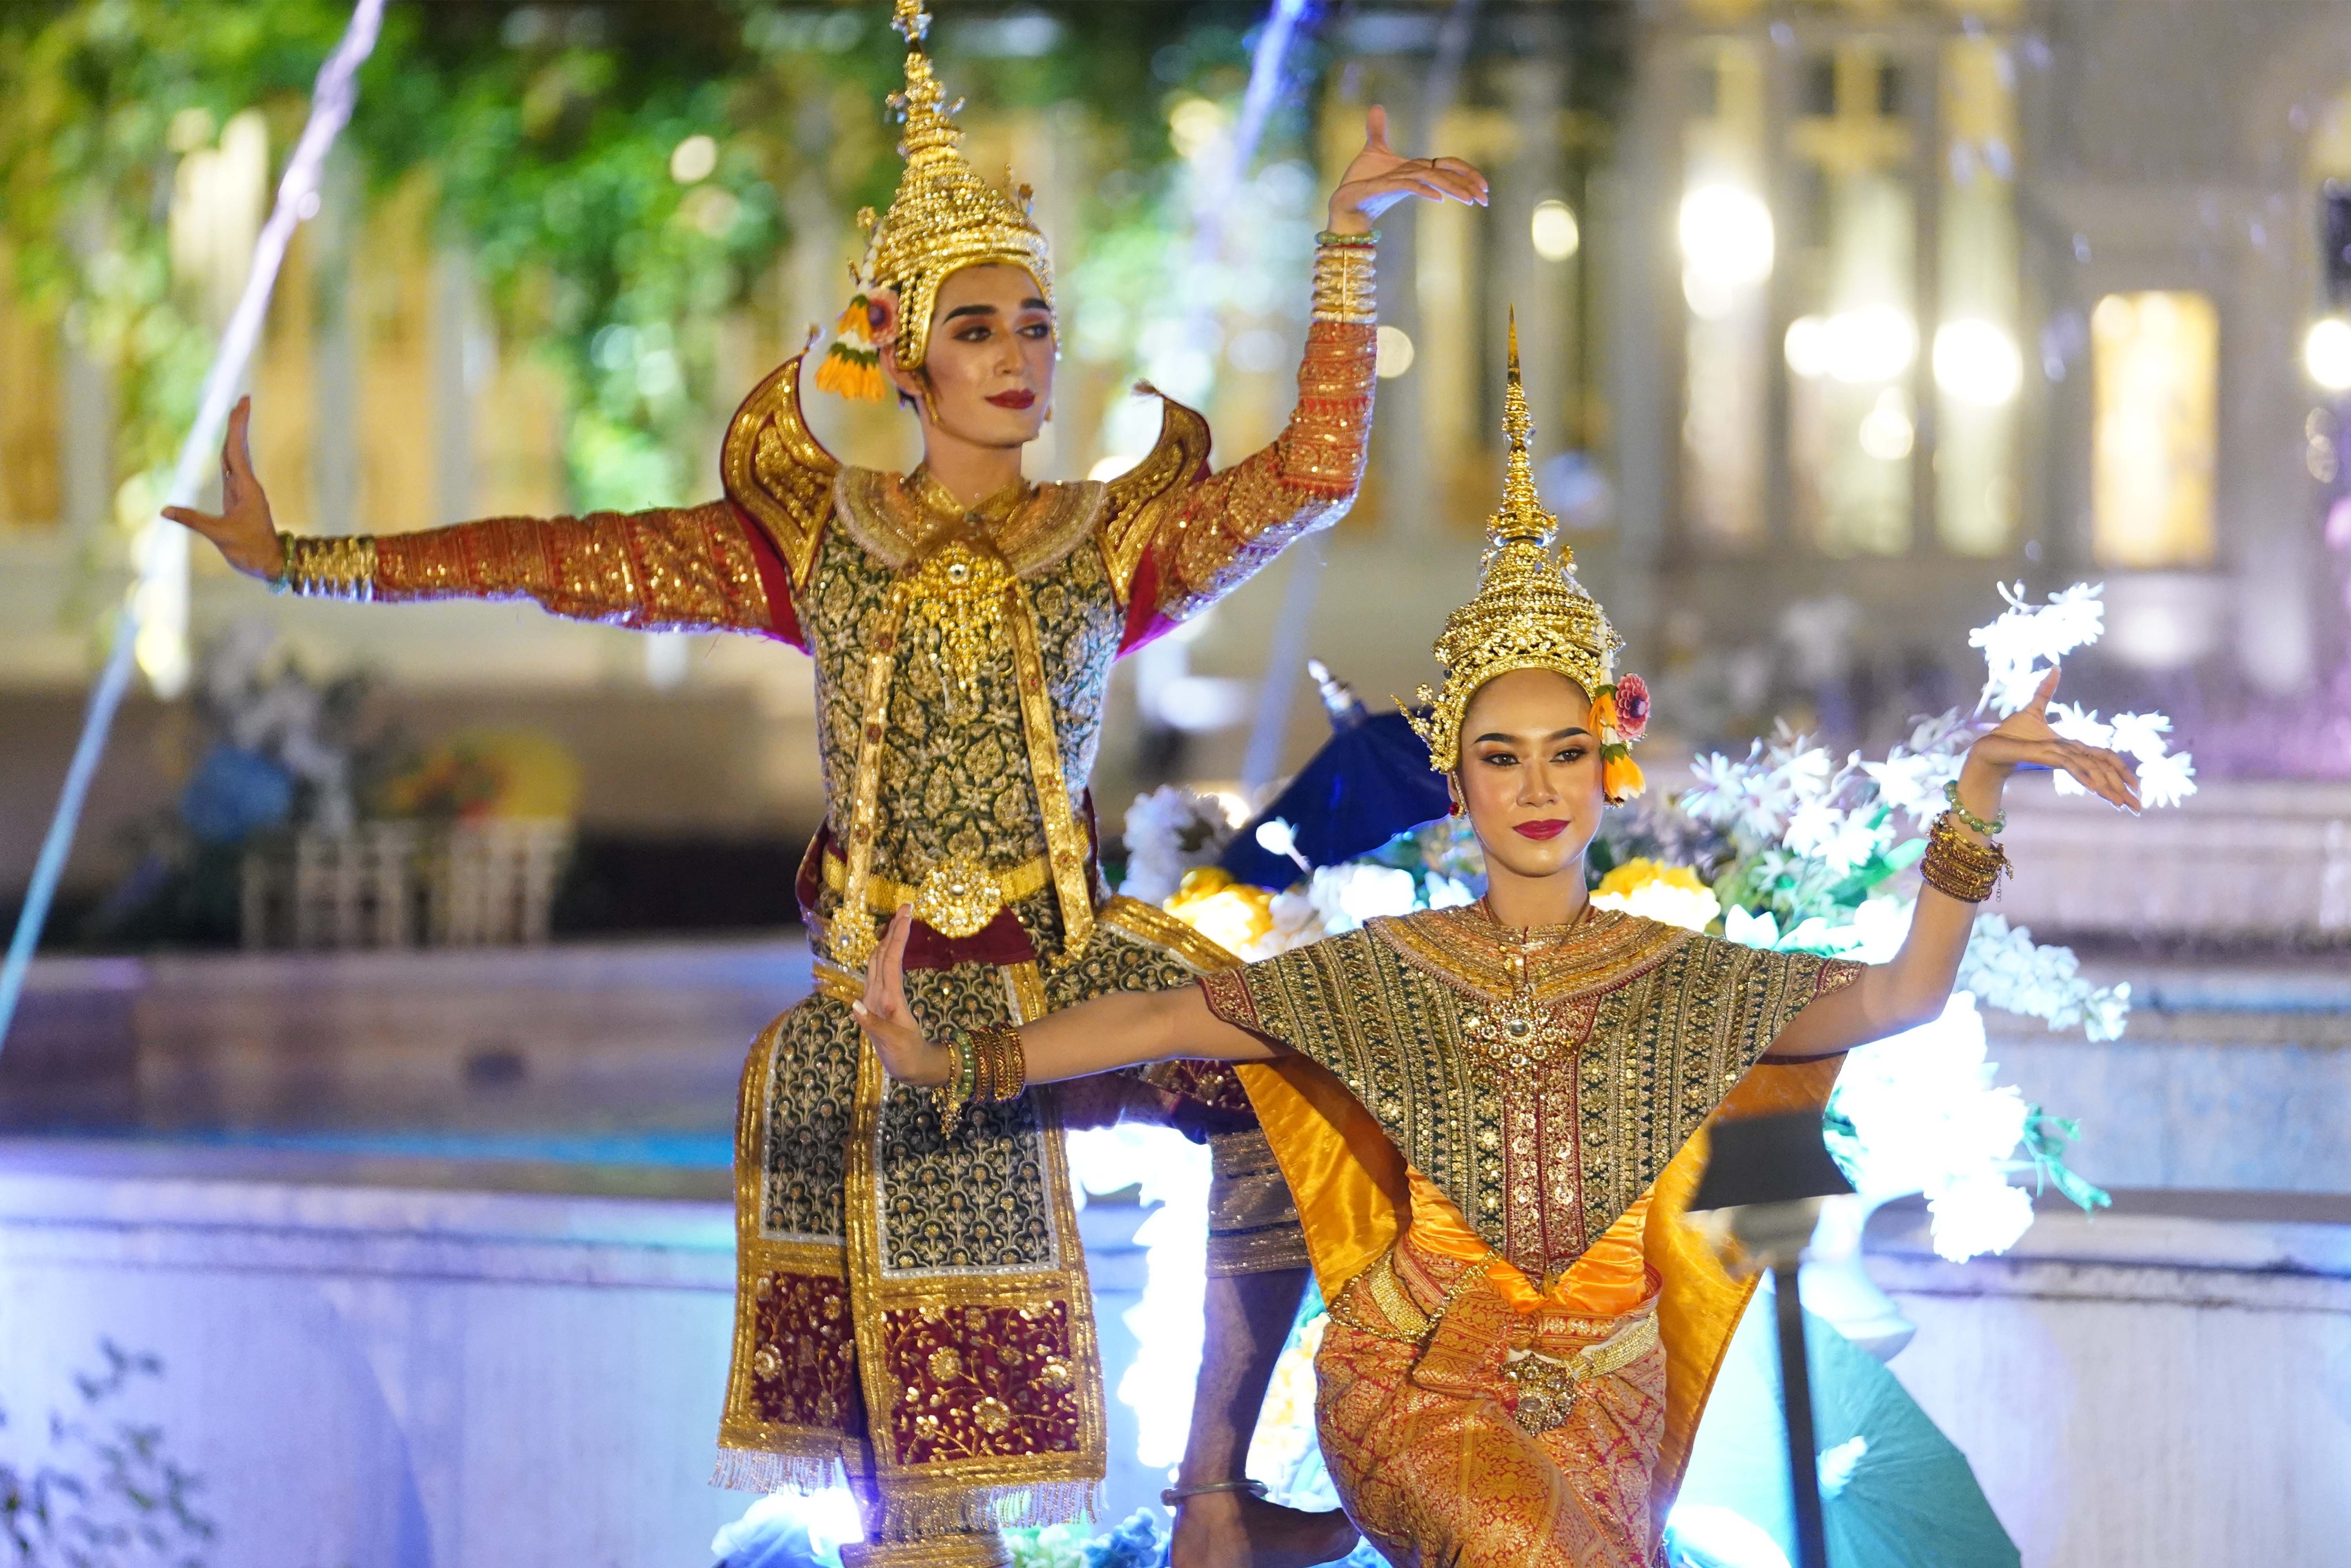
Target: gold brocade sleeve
{"type": "Point", "coordinates": [1176, 538]}
{"type": "Point", "coordinates": [690, 568]}
{"type": "Point", "coordinates": [1230, 525]}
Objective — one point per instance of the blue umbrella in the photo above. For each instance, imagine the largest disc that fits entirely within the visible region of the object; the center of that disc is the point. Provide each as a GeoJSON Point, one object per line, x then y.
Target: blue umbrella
{"type": "Point", "coordinates": [1370, 782]}
{"type": "Point", "coordinates": [1895, 1493]}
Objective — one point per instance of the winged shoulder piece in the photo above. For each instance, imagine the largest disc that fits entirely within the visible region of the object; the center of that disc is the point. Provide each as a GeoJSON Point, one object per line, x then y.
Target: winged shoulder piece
{"type": "Point", "coordinates": [1148, 495]}
{"type": "Point", "coordinates": [776, 470]}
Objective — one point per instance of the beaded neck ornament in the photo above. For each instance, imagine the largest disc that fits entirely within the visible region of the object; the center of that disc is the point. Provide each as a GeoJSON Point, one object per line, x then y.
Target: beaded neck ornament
{"type": "Point", "coordinates": [944, 218]}
{"type": "Point", "coordinates": [1531, 613]}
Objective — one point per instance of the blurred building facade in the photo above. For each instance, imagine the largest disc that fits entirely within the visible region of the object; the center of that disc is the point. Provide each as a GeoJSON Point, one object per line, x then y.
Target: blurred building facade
{"type": "Point", "coordinates": [1929, 294]}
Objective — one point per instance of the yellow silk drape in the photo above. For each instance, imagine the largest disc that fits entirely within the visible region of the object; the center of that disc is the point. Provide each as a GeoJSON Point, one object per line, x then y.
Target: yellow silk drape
{"type": "Point", "coordinates": [1356, 1194]}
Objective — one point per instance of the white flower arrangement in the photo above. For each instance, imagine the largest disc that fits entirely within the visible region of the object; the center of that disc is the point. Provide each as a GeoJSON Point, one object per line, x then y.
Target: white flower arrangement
{"type": "Point", "coordinates": [1169, 831]}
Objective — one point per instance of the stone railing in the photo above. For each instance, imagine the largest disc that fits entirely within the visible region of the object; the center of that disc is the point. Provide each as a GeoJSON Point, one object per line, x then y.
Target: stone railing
{"type": "Point", "coordinates": [404, 885]}
{"type": "Point", "coordinates": [2237, 862]}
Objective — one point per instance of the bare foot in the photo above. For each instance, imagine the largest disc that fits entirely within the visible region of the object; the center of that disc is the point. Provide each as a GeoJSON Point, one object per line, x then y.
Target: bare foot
{"type": "Point", "coordinates": [1234, 1530]}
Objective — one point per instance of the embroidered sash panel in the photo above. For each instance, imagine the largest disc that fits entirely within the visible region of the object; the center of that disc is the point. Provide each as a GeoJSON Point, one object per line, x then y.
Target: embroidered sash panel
{"type": "Point", "coordinates": [912, 1305]}
{"type": "Point", "coordinates": [1544, 1111]}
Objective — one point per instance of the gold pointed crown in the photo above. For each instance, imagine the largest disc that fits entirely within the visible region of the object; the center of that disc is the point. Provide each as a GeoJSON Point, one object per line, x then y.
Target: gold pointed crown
{"type": "Point", "coordinates": [1531, 613]}
{"type": "Point", "coordinates": [944, 218]}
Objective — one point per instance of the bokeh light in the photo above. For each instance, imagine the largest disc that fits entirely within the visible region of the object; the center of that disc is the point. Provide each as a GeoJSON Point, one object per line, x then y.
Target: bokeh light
{"type": "Point", "coordinates": [1978, 362]}
{"type": "Point", "coordinates": [2327, 353]}
{"type": "Point", "coordinates": [1554, 231]}
{"type": "Point", "coordinates": [692, 160]}
{"type": "Point", "coordinates": [1394, 354]}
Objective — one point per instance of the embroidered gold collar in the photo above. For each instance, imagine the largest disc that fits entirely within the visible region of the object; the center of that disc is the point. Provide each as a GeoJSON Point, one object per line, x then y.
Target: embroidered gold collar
{"type": "Point", "coordinates": [1465, 949]}
{"type": "Point", "coordinates": [897, 519]}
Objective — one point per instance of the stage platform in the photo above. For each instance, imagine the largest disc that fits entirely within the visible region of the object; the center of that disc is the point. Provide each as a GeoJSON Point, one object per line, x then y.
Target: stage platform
{"type": "Point", "coordinates": [435, 1251]}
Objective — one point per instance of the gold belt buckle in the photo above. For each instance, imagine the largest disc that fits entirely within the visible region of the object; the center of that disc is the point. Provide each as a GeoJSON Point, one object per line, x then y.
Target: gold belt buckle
{"type": "Point", "coordinates": [959, 898]}
{"type": "Point", "coordinates": [1547, 1390]}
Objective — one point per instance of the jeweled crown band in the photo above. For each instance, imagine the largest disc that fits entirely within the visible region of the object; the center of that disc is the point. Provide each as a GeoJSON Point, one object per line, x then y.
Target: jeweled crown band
{"type": "Point", "coordinates": [339, 568]}
{"type": "Point", "coordinates": [1347, 286]}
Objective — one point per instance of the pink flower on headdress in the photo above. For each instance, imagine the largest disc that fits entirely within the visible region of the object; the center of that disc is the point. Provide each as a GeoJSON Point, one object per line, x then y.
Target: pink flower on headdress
{"type": "Point", "coordinates": [882, 316]}
{"type": "Point", "coordinates": [1632, 706]}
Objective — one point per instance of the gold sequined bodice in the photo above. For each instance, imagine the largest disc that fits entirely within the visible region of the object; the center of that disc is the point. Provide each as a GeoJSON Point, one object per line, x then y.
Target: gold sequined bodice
{"type": "Point", "coordinates": [954, 784]}
{"type": "Point", "coordinates": [1542, 1085]}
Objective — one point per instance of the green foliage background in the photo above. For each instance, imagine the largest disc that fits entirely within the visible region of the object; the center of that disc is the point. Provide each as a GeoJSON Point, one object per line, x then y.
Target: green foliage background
{"type": "Point", "coordinates": [547, 133]}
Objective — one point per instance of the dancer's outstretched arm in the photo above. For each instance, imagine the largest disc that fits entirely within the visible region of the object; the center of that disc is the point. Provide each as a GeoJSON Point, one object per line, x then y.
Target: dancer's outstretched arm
{"type": "Point", "coordinates": [672, 569]}
{"type": "Point", "coordinates": [1911, 987]}
{"type": "Point", "coordinates": [1120, 1030]}
{"type": "Point", "coordinates": [1172, 554]}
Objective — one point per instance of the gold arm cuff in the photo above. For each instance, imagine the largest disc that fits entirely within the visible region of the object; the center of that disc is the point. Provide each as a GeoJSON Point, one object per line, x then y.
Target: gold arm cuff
{"type": "Point", "coordinates": [956, 898]}
{"type": "Point", "coordinates": [337, 567]}
{"type": "Point", "coordinates": [1346, 283]}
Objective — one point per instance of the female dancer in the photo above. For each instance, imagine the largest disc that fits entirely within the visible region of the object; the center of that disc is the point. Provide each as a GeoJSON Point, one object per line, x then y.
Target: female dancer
{"type": "Point", "coordinates": [1486, 1114]}
{"type": "Point", "coordinates": [912, 1307]}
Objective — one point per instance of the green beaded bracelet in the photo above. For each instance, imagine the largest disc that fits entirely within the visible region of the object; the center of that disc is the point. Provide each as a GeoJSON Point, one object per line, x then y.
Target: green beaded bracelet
{"type": "Point", "coordinates": [1328, 236]}
{"type": "Point", "coordinates": [1989, 829]}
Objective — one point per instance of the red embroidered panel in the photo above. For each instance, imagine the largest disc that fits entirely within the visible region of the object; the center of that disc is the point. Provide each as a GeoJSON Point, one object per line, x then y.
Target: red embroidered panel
{"type": "Point", "coordinates": [976, 1382]}
{"type": "Point", "coordinates": [804, 1372]}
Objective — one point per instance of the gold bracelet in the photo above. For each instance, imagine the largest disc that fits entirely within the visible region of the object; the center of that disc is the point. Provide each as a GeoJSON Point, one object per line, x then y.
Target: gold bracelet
{"type": "Point", "coordinates": [1346, 284]}
{"type": "Point", "coordinates": [337, 568]}
{"type": "Point", "coordinates": [1968, 871]}
{"type": "Point", "coordinates": [998, 1046]}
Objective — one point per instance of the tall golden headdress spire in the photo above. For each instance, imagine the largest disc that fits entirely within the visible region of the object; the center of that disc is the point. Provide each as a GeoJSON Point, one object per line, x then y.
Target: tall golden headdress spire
{"type": "Point", "coordinates": [944, 218]}
{"type": "Point", "coordinates": [1531, 613]}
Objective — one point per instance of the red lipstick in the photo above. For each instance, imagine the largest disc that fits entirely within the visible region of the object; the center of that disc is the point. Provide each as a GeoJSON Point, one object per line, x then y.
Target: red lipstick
{"type": "Point", "coordinates": [1017, 399]}
{"type": "Point", "coordinates": [1548, 828]}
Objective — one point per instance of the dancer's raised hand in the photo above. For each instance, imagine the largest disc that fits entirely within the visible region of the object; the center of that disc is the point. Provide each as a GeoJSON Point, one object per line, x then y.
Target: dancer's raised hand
{"type": "Point", "coordinates": [886, 1019]}
{"type": "Point", "coordinates": [2024, 739]}
{"type": "Point", "coordinates": [242, 527]}
{"type": "Point", "coordinates": [1379, 178]}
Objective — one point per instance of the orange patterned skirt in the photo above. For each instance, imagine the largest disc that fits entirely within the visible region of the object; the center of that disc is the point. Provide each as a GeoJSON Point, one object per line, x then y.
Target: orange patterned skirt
{"type": "Point", "coordinates": [1461, 1434]}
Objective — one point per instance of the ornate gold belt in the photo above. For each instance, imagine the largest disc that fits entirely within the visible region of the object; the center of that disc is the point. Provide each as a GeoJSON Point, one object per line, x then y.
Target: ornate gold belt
{"type": "Point", "coordinates": [956, 898]}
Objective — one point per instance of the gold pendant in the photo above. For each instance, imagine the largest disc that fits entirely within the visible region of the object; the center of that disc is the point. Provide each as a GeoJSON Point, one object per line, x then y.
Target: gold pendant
{"type": "Point", "coordinates": [1519, 1032]}
{"type": "Point", "coordinates": [956, 596]}
{"type": "Point", "coordinates": [958, 898]}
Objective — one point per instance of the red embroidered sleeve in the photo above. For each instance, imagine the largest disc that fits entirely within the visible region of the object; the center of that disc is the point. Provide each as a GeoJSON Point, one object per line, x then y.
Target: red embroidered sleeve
{"type": "Point", "coordinates": [1230, 525]}
{"type": "Point", "coordinates": [691, 569]}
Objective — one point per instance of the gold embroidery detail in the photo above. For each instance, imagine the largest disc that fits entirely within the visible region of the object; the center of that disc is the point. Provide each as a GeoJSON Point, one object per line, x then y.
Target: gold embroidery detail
{"type": "Point", "coordinates": [1154, 926]}
{"type": "Point", "coordinates": [777, 471]}
{"type": "Point", "coordinates": [968, 1494]}
{"type": "Point", "coordinates": [1065, 843]}
{"type": "Point", "coordinates": [851, 935]}
{"type": "Point", "coordinates": [1024, 992]}
{"type": "Point", "coordinates": [1032, 528]}
{"type": "Point", "coordinates": [1464, 949]}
